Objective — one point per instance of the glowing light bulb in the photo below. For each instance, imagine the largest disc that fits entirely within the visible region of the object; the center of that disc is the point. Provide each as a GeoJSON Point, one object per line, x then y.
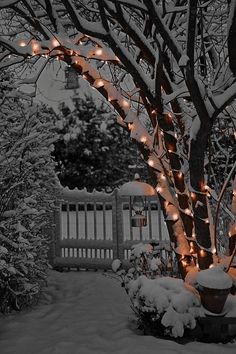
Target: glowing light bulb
{"type": "Point", "coordinates": [98, 51]}
{"type": "Point", "coordinates": [55, 42]}
{"type": "Point", "coordinates": [35, 47]}
{"type": "Point", "coordinates": [125, 103]}
{"type": "Point", "coordinates": [150, 162]}
{"type": "Point", "coordinates": [22, 44]}
{"type": "Point", "coordinates": [211, 266]}
{"type": "Point", "coordinates": [175, 216]}
{"type": "Point", "coordinates": [130, 126]}
{"type": "Point", "coordinates": [99, 83]}
{"type": "Point", "coordinates": [170, 148]}
{"type": "Point", "coordinates": [193, 196]}
{"type": "Point", "coordinates": [214, 250]}
{"type": "Point", "coordinates": [187, 211]}
{"type": "Point", "coordinates": [143, 139]}
{"type": "Point", "coordinates": [191, 247]}
{"type": "Point", "coordinates": [153, 111]}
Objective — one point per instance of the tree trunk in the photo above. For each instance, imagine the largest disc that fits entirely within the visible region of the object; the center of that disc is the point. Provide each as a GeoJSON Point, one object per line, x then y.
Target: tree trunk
{"type": "Point", "coordinates": [199, 198]}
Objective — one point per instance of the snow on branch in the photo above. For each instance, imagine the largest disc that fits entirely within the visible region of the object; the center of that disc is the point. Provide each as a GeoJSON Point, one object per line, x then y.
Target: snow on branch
{"type": "Point", "coordinates": [8, 3]}
{"type": "Point", "coordinates": [82, 25]}
{"type": "Point", "coordinates": [164, 31]}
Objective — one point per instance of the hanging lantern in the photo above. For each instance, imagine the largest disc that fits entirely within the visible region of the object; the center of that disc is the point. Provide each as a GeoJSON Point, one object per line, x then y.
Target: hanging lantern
{"type": "Point", "coordinates": [137, 191]}
{"type": "Point", "coordinates": [138, 205]}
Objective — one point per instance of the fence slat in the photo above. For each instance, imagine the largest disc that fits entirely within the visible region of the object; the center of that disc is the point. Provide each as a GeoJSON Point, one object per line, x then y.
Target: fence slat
{"type": "Point", "coordinates": [104, 221]}
{"type": "Point", "coordinates": [95, 219]}
{"type": "Point", "coordinates": [68, 219]}
{"type": "Point", "coordinates": [86, 220]}
{"type": "Point", "coordinates": [159, 220]}
{"type": "Point", "coordinates": [130, 216]}
{"type": "Point", "coordinates": [77, 219]}
{"type": "Point", "coordinates": [149, 219]}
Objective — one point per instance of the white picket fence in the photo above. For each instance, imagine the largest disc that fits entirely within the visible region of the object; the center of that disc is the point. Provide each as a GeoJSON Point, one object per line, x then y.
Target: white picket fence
{"type": "Point", "coordinates": [92, 229]}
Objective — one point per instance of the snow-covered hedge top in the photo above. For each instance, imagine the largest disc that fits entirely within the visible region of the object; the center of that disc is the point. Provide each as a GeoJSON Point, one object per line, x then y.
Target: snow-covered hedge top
{"type": "Point", "coordinates": [214, 278]}
{"type": "Point", "coordinates": [76, 193]}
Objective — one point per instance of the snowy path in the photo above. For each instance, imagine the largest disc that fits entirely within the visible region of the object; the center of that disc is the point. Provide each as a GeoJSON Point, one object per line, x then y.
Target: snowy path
{"type": "Point", "coordinates": [86, 313]}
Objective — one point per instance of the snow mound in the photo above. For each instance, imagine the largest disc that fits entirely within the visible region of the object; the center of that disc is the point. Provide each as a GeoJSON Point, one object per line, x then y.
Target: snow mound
{"type": "Point", "coordinates": [137, 188]}
{"type": "Point", "coordinates": [169, 298]}
{"type": "Point", "coordinates": [116, 264]}
{"type": "Point", "coordinates": [140, 248]}
{"type": "Point", "coordinates": [214, 278]}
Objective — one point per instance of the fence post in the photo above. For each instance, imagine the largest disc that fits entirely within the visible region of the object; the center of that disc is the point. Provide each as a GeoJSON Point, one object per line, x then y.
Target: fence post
{"type": "Point", "coordinates": [119, 220]}
{"type": "Point", "coordinates": [159, 212]}
{"type": "Point", "coordinates": [57, 230]}
{"type": "Point", "coordinates": [49, 230]}
{"type": "Point", "coordinates": [114, 225]}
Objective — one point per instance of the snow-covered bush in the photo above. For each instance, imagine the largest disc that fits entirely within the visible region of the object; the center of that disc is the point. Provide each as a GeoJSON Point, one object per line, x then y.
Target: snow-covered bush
{"type": "Point", "coordinates": [163, 305]}
{"type": "Point", "coordinates": [27, 190]}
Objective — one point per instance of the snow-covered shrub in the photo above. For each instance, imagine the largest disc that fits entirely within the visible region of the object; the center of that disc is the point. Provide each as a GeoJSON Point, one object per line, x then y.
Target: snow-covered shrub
{"type": "Point", "coordinates": [27, 190]}
{"type": "Point", "coordinates": [163, 305]}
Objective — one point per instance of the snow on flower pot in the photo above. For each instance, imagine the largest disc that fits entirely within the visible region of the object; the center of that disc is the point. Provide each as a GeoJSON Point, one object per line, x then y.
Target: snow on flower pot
{"type": "Point", "coordinates": [214, 287]}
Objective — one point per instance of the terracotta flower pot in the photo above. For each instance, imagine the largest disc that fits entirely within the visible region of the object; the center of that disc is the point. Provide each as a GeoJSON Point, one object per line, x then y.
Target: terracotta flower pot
{"type": "Point", "coordinates": [213, 299]}
{"type": "Point", "coordinates": [214, 287]}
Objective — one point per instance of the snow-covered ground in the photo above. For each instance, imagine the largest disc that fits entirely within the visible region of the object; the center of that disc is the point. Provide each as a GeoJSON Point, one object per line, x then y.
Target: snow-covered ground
{"type": "Point", "coordinates": [86, 313]}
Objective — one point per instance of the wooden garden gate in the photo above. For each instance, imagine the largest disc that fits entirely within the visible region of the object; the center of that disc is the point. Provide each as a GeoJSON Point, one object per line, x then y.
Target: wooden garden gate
{"type": "Point", "coordinates": [92, 229]}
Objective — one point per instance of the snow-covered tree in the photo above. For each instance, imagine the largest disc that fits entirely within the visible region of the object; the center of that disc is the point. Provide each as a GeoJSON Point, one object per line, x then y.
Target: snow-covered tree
{"type": "Point", "coordinates": [92, 150]}
{"type": "Point", "coordinates": [168, 69]}
{"type": "Point", "coordinates": [27, 193]}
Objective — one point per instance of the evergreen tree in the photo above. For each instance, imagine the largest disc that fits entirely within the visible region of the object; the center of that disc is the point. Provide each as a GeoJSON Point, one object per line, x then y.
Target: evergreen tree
{"type": "Point", "coordinates": [27, 192]}
{"type": "Point", "coordinates": [92, 150]}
